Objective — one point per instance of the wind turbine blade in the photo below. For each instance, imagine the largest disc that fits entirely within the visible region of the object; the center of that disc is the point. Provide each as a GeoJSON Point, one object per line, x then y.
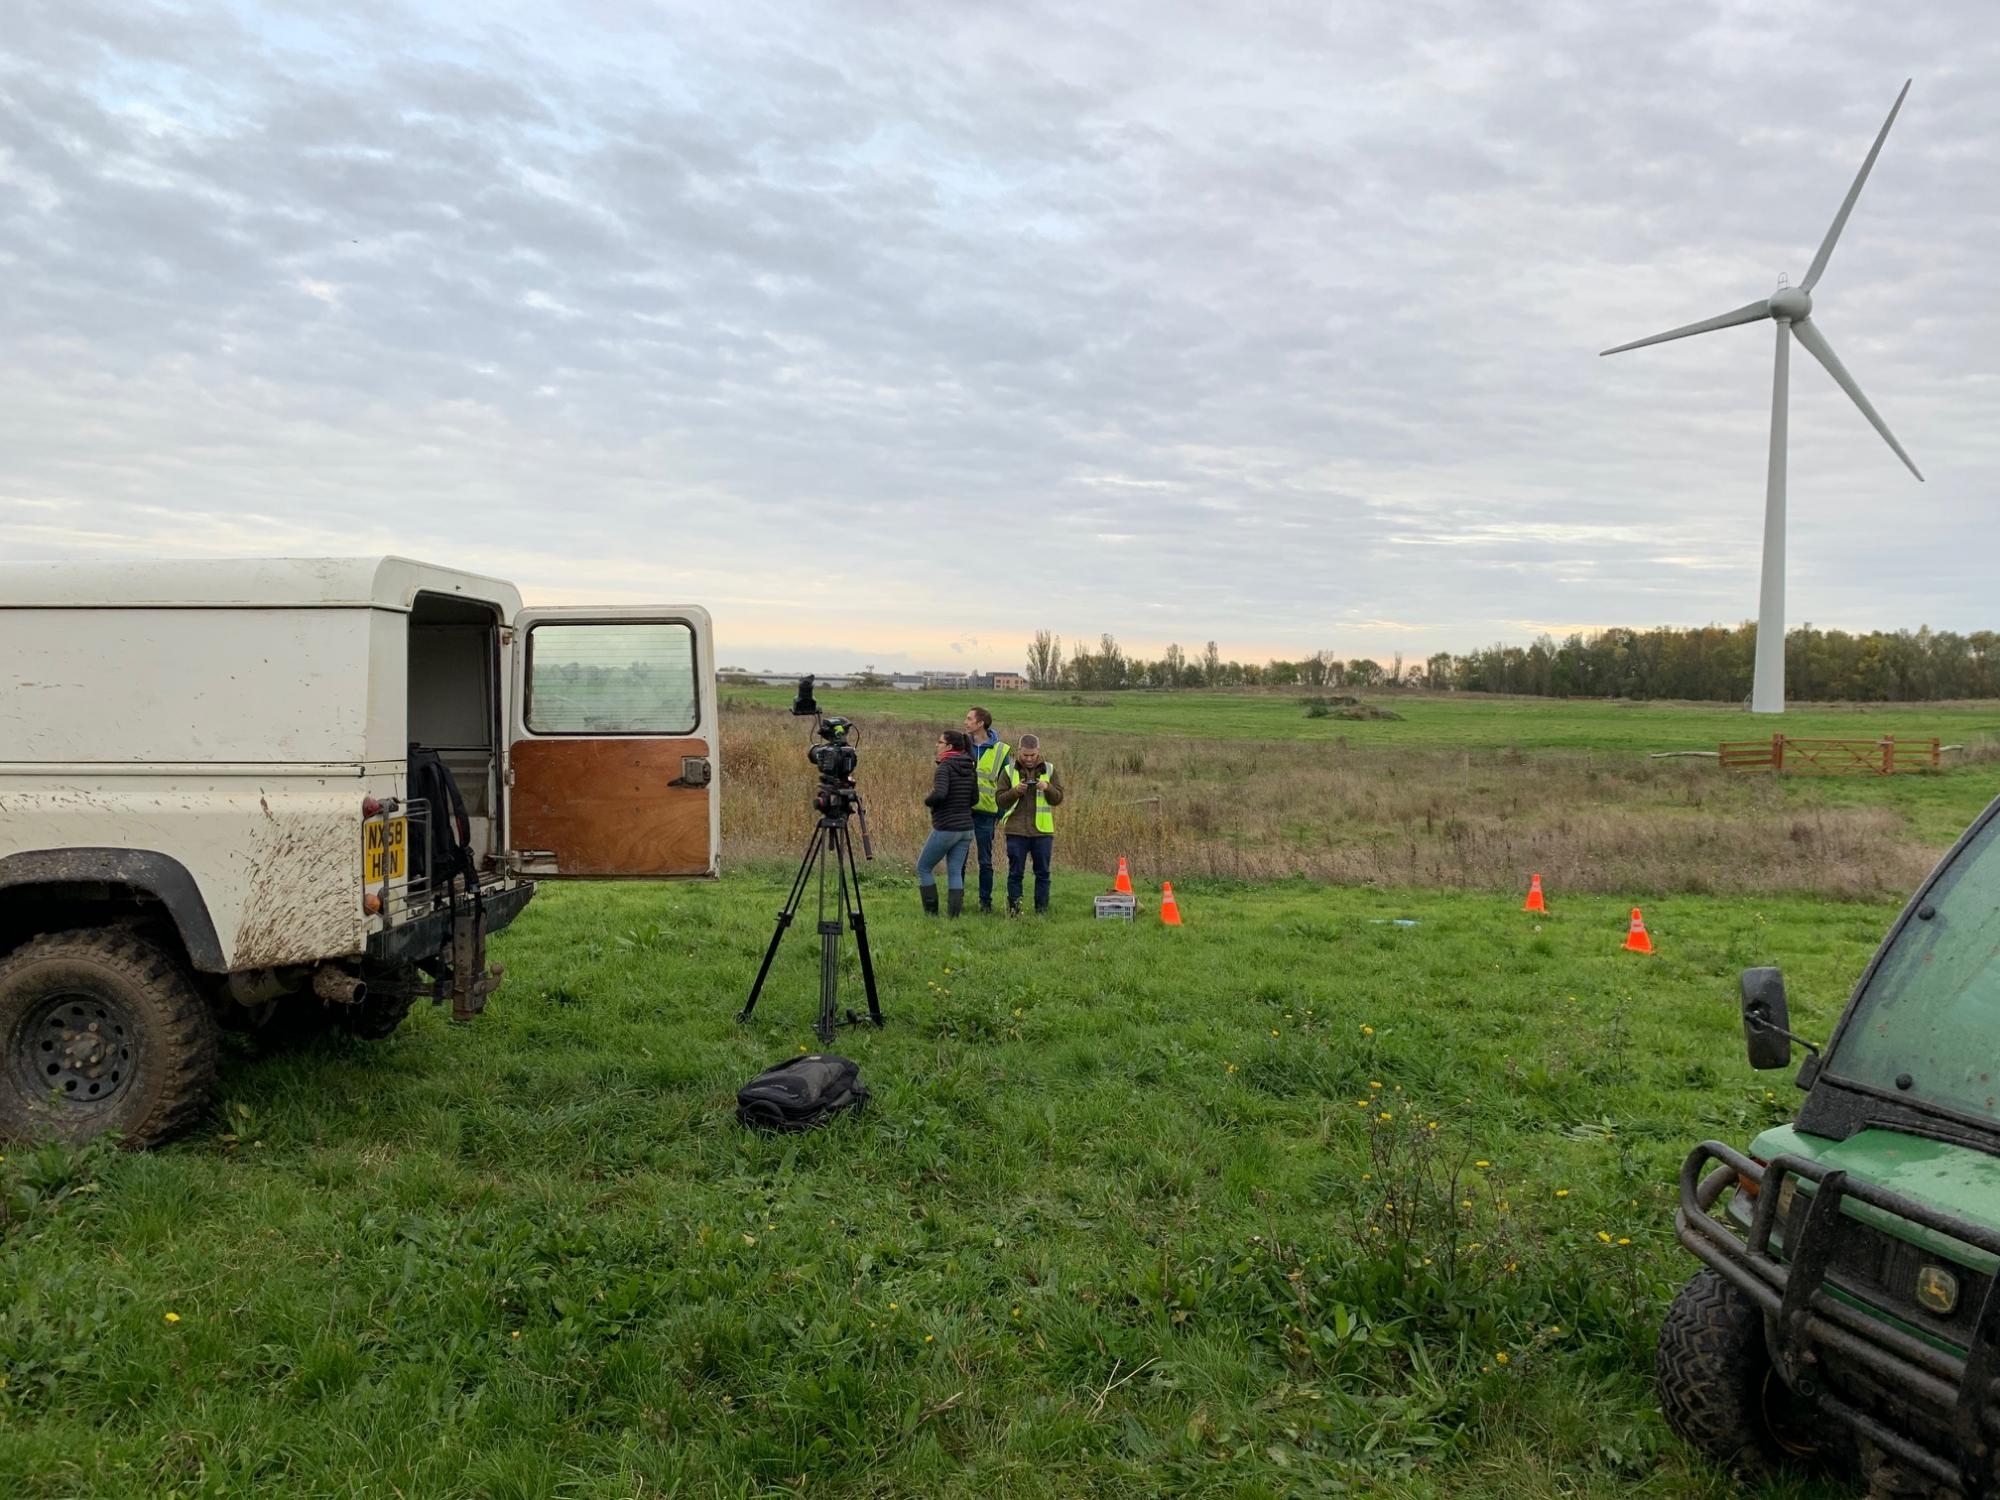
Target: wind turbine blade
{"type": "Point", "coordinates": [1818, 266]}
{"type": "Point", "coordinates": [1808, 334]}
{"type": "Point", "coordinates": [1750, 312]}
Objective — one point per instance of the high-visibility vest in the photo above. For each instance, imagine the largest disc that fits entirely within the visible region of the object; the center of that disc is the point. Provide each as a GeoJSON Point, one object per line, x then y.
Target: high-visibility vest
{"type": "Point", "coordinates": [1045, 816]}
{"type": "Point", "coordinates": [988, 768]}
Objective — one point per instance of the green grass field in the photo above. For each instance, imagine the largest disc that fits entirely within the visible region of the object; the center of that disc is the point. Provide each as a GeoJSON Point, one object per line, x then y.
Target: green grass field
{"type": "Point", "coordinates": [1291, 1201]}
{"type": "Point", "coordinates": [1468, 721]}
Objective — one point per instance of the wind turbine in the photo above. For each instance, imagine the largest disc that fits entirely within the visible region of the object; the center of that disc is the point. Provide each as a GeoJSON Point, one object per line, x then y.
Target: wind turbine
{"type": "Point", "coordinates": [1790, 307]}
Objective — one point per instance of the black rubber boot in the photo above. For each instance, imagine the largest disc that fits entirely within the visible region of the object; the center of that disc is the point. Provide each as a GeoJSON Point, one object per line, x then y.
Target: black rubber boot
{"type": "Point", "coordinates": [929, 893]}
{"type": "Point", "coordinates": [954, 903]}
{"type": "Point", "coordinates": [1013, 908]}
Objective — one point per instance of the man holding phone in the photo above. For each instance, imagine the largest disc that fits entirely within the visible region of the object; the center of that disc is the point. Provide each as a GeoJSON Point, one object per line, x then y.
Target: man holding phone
{"type": "Point", "coordinates": [1030, 791]}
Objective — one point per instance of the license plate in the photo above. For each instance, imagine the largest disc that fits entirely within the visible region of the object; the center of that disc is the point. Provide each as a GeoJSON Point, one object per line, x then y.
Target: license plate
{"type": "Point", "coordinates": [385, 841]}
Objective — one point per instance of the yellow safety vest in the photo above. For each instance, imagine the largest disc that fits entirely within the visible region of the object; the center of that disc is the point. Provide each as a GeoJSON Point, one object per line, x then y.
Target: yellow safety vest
{"type": "Point", "coordinates": [991, 759]}
{"type": "Point", "coordinates": [1045, 816]}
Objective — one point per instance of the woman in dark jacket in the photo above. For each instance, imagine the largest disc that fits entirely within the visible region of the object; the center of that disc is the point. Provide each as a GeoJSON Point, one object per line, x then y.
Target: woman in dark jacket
{"type": "Point", "coordinates": [953, 791]}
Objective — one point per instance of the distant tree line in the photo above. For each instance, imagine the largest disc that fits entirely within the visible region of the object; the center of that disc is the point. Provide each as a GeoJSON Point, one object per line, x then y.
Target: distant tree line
{"type": "Point", "coordinates": [1713, 662]}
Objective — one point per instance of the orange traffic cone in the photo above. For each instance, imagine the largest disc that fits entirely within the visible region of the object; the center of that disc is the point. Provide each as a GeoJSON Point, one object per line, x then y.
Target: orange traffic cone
{"type": "Point", "coordinates": [1636, 940]}
{"type": "Point", "coordinates": [1124, 880]}
{"type": "Point", "coordinates": [1534, 901]}
{"type": "Point", "coordinates": [1170, 910]}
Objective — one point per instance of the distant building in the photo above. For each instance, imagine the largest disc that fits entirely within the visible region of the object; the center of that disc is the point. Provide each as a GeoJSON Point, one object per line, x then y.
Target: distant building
{"type": "Point", "coordinates": [1009, 682]}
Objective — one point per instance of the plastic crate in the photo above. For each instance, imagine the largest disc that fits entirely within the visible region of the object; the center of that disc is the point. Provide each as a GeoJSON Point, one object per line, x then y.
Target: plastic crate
{"type": "Point", "coordinates": [1117, 906]}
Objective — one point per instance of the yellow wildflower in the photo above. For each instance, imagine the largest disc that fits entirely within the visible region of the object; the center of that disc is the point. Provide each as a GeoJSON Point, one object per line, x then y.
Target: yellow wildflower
{"type": "Point", "coordinates": [173, 1317]}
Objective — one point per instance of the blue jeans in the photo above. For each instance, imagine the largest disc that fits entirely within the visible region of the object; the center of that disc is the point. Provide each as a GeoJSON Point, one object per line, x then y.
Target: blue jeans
{"type": "Point", "coordinates": [1020, 848]}
{"type": "Point", "coordinates": [982, 835]}
{"type": "Point", "coordinates": [950, 845]}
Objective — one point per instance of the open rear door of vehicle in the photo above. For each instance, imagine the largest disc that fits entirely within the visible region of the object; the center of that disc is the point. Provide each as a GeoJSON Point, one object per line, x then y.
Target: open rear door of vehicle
{"type": "Point", "coordinates": [612, 766]}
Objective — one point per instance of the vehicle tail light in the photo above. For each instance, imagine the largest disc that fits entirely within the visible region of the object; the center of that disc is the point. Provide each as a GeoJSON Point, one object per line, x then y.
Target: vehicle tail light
{"type": "Point", "coordinates": [372, 903]}
{"type": "Point", "coordinates": [370, 806]}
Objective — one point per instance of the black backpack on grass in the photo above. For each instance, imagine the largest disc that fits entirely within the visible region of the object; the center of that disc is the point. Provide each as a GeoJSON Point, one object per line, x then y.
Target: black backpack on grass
{"type": "Point", "coordinates": [801, 1093]}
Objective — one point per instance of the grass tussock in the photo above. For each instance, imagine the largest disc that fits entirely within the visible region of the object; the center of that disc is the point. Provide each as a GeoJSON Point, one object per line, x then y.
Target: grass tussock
{"type": "Point", "coordinates": [1399, 816]}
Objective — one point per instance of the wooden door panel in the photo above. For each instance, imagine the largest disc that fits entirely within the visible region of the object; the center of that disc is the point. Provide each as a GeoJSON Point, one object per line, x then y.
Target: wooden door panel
{"type": "Point", "coordinates": [604, 807]}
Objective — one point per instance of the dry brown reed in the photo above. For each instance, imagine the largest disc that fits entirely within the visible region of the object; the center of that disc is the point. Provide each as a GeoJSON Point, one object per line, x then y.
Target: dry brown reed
{"type": "Point", "coordinates": [1259, 810]}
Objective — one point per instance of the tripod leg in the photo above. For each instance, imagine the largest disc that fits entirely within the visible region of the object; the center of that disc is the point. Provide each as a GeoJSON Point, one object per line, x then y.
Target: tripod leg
{"type": "Point", "coordinates": [845, 849]}
{"type": "Point", "coordinates": [785, 915]}
{"type": "Point", "coordinates": [829, 946]}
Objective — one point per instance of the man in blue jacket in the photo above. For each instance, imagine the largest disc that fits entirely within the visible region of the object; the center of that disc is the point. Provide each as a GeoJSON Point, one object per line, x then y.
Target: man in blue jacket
{"type": "Point", "coordinates": [990, 756]}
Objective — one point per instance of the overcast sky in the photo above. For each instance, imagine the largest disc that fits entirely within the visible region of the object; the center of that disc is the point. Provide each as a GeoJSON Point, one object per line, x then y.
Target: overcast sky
{"type": "Point", "coordinates": [892, 332]}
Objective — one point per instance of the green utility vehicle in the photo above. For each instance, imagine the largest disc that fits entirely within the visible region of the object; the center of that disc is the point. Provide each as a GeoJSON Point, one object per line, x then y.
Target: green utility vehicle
{"type": "Point", "coordinates": [1848, 1306]}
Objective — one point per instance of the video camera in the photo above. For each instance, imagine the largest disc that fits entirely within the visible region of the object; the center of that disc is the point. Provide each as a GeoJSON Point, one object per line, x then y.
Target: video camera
{"type": "Point", "coordinates": [836, 759]}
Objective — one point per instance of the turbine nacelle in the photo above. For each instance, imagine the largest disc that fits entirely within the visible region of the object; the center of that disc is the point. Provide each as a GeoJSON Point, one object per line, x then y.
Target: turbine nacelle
{"type": "Point", "coordinates": [1789, 304]}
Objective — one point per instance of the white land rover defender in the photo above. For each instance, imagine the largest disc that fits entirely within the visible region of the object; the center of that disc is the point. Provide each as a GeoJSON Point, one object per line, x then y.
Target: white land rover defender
{"type": "Point", "coordinates": [253, 793]}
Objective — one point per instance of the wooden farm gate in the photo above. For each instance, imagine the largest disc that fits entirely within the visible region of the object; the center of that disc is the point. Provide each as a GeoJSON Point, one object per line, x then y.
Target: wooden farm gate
{"type": "Point", "coordinates": [1884, 757]}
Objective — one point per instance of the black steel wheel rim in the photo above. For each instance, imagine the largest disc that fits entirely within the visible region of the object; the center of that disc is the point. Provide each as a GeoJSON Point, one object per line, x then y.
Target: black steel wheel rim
{"type": "Point", "coordinates": [73, 1046]}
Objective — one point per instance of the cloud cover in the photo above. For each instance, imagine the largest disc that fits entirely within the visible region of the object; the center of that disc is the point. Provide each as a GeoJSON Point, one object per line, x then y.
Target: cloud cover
{"type": "Point", "coordinates": [887, 328]}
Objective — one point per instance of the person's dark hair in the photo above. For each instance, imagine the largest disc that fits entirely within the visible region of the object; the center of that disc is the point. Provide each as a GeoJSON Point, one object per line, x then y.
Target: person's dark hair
{"type": "Point", "coordinates": [985, 719]}
{"type": "Point", "coordinates": [957, 740]}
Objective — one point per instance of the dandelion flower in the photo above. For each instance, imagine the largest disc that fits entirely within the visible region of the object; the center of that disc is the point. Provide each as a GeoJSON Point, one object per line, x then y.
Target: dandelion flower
{"type": "Point", "coordinates": [1373, 1085]}
{"type": "Point", "coordinates": [1017, 1312]}
{"type": "Point", "coordinates": [1624, 1241]}
{"type": "Point", "coordinates": [1500, 1358]}
{"type": "Point", "coordinates": [930, 1338]}
{"type": "Point", "coordinates": [1556, 1328]}
{"type": "Point", "coordinates": [1368, 1031]}
{"type": "Point", "coordinates": [892, 1307]}
{"type": "Point", "coordinates": [1482, 1165]}
{"type": "Point", "coordinates": [1562, 1192]}
{"type": "Point", "coordinates": [173, 1317]}
{"type": "Point", "coordinates": [1604, 1237]}
{"type": "Point", "coordinates": [515, 1334]}
{"type": "Point", "coordinates": [1385, 1115]}
{"type": "Point", "coordinates": [1274, 1031]}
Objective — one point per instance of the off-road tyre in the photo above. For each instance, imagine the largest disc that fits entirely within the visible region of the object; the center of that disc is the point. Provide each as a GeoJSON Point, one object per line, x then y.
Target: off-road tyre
{"type": "Point", "coordinates": [101, 1030]}
{"type": "Point", "coordinates": [1718, 1388]}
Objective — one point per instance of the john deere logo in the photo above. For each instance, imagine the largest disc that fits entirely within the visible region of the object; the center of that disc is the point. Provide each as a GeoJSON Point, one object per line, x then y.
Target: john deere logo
{"type": "Point", "coordinates": [1937, 1289]}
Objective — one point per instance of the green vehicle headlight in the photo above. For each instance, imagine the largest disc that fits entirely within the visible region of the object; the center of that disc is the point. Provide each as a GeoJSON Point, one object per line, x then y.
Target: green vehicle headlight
{"type": "Point", "coordinates": [1937, 1289]}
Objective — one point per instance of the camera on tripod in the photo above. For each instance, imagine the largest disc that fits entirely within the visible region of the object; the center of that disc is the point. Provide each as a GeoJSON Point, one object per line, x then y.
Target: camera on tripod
{"type": "Point", "coordinates": [835, 759]}
{"type": "Point", "coordinates": [835, 799]}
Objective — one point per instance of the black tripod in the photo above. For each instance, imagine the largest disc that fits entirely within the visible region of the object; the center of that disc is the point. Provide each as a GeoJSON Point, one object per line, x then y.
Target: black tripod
{"type": "Point", "coordinates": [832, 834]}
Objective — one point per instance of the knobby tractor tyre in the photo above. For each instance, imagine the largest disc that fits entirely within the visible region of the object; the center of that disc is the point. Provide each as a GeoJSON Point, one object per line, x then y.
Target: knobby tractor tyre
{"type": "Point", "coordinates": [1718, 1388]}
{"type": "Point", "coordinates": [101, 1031]}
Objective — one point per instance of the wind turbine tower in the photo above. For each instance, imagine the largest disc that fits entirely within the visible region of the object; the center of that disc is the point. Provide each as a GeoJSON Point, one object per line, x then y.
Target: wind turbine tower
{"type": "Point", "coordinates": [1790, 308]}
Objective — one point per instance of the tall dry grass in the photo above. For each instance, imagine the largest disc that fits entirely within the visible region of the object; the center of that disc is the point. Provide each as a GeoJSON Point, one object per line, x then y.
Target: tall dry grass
{"type": "Point", "coordinates": [1257, 810]}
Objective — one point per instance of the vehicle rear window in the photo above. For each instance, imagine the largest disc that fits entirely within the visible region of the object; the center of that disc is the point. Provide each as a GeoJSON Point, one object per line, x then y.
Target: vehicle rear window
{"type": "Point", "coordinates": [611, 677]}
{"type": "Point", "coordinates": [1932, 1010]}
